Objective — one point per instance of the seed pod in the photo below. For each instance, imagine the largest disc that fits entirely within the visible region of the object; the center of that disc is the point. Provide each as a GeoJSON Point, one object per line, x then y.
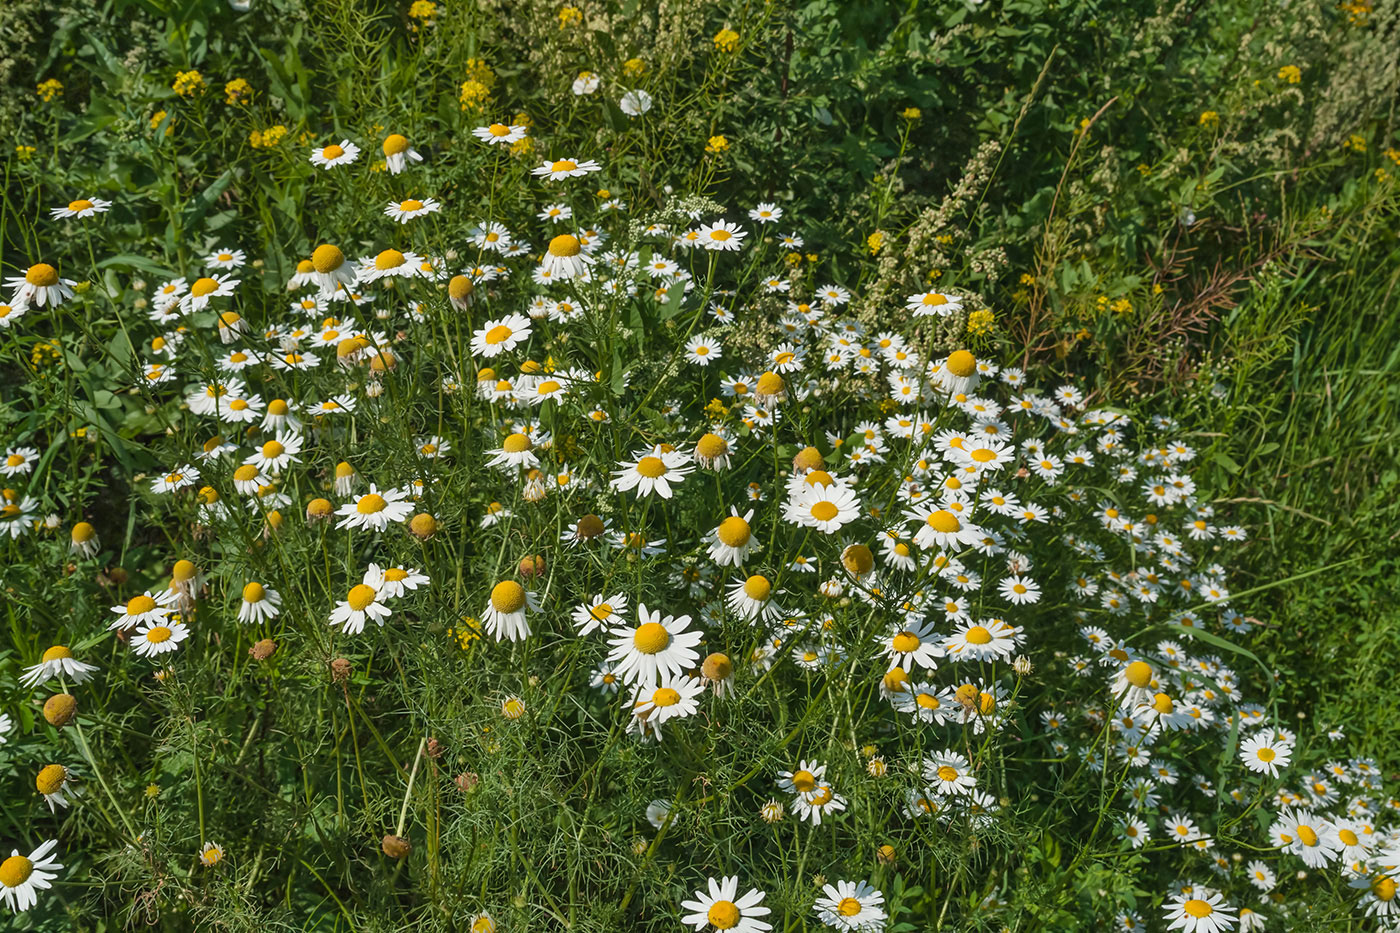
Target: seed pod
{"type": "Point", "coordinates": [396, 846]}
{"type": "Point", "coordinates": [60, 709]}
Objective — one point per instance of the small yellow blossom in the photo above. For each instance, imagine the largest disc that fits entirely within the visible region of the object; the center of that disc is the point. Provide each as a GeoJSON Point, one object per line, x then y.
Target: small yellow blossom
{"type": "Point", "coordinates": [634, 68]}
{"type": "Point", "coordinates": [1290, 74]}
{"type": "Point", "coordinates": [1209, 118]}
{"type": "Point", "coordinates": [980, 323]}
{"type": "Point", "coordinates": [473, 94]}
{"type": "Point", "coordinates": [716, 410]}
{"type": "Point", "coordinates": [48, 90]}
{"type": "Point", "coordinates": [874, 242]}
{"type": "Point", "coordinates": [726, 40]}
{"type": "Point", "coordinates": [570, 16]}
{"type": "Point", "coordinates": [24, 153]}
{"type": "Point", "coordinates": [237, 91]}
{"type": "Point", "coordinates": [188, 83]}
{"type": "Point", "coordinates": [1027, 278]}
{"type": "Point", "coordinates": [522, 146]}
{"type": "Point", "coordinates": [717, 144]}
{"type": "Point", "coordinates": [1121, 306]}
{"type": "Point", "coordinates": [422, 13]}
{"type": "Point", "coordinates": [266, 139]}
{"type": "Point", "coordinates": [911, 113]}
{"type": "Point", "coordinates": [1355, 142]}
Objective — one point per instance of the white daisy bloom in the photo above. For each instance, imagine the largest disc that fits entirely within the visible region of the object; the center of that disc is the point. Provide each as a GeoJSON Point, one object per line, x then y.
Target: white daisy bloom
{"type": "Point", "coordinates": [258, 604]}
{"type": "Point", "coordinates": [409, 208]}
{"type": "Point", "coordinates": [500, 134]}
{"type": "Point", "coordinates": [21, 877]}
{"type": "Point", "coordinates": [600, 613]}
{"type": "Point", "coordinates": [505, 612]}
{"type": "Point", "coordinates": [851, 906]}
{"type": "Point", "coordinates": [83, 207]}
{"type": "Point", "coordinates": [375, 509]}
{"type": "Point", "coordinates": [722, 908]}
{"type": "Point", "coordinates": [501, 335]}
{"type": "Point", "coordinates": [328, 157]}
{"type": "Point", "coordinates": [152, 640]}
{"type": "Point", "coordinates": [655, 645]}
{"type": "Point", "coordinates": [58, 661]}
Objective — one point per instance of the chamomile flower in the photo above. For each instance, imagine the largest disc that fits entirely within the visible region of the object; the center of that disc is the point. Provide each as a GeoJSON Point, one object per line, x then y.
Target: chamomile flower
{"type": "Point", "coordinates": [258, 604]}
{"type": "Point", "coordinates": [375, 509]}
{"type": "Point", "coordinates": [411, 208]}
{"type": "Point", "coordinates": [204, 290]}
{"type": "Point", "coordinates": [56, 662]}
{"type": "Point", "coordinates": [19, 461]}
{"type": "Point", "coordinates": [507, 608]}
{"type": "Point", "coordinates": [823, 507]}
{"type": "Point", "coordinates": [39, 286]}
{"type": "Point", "coordinates": [600, 613]}
{"type": "Point", "coordinates": [564, 258]}
{"type": "Point", "coordinates": [278, 454]}
{"type": "Point", "coordinates": [83, 207]}
{"type": "Point", "coordinates": [329, 157]}
{"type": "Point", "coordinates": [147, 609]}
{"type": "Point", "coordinates": [670, 696]}
{"type": "Point", "coordinates": [152, 640]}
{"type": "Point", "coordinates": [51, 782]}
{"type": "Point", "coordinates": [655, 645]}
{"type": "Point", "coordinates": [851, 906]}
{"type": "Point", "coordinates": [361, 604]}
{"type": "Point", "coordinates": [915, 645]}
{"type": "Point", "coordinates": [652, 472]}
{"type": "Point", "coordinates": [398, 153]}
{"type": "Point", "coordinates": [389, 263]}
{"type": "Point", "coordinates": [22, 877]}
{"type": "Point", "coordinates": [1197, 910]}
{"type": "Point", "coordinates": [753, 599]}
{"type": "Point", "coordinates": [500, 134]}
{"type": "Point", "coordinates": [702, 351]}
{"type": "Point", "coordinates": [721, 907]}
{"type": "Point", "coordinates": [733, 539]}
{"type": "Point", "coordinates": [223, 258]}
{"type": "Point", "coordinates": [722, 235]}
{"type": "Point", "coordinates": [501, 335]}
{"type": "Point", "coordinates": [566, 168]}
{"type": "Point", "coordinates": [1263, 754]}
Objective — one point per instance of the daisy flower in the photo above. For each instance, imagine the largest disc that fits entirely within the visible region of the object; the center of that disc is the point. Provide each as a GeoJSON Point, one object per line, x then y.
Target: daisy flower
{"type": "Point", "coordinates": [505, 611]}
{"type": "Point", "coordinates": [328, 157]}
{"type": "Point", "coordinates": [917, 645]}
{"type": "Point", "coordinates": [83, 207]}
{"type": "Point", "coordinates": [701, 351]}
{"type": "Point", "coordinates": [1199, 911]}
{"type": "Point", "coordinates": [58, 661]}
{"type": "Point", "coordinates": [671, 696]}
{"type": "Point", "coordinates": [259, 604]}
{"type": "Point", "coordinates": [205, 289]}
{"type": "Point", "coordinates": [398, 153]}
{"type": "Point", "coordinates": [565, 258]}
{"type": "Point", "coordinates": [732, 540]}
{"type": "Point", "coordinates": [406, 210]}
{"type": "Point", "coordinates": [566, 168]}
{"type": "Point", "coordinates": [40, 286]}
{"type": "Point", "coordinates": [949, 773]}
{"type": "Point", "coordinates": [752, 598]}
{"type": "Point", "coordinates": [11, 313]}
{"type": "Point", "coordinates": [276, 455]}
{"type": "Point", "coordinates": [1262, 754]}
{"type": "Point", "coordinates": [361, 604]}
{"type": "Point", "coordinates": [147, 609]}
{"type": "Point", "coordinates": [723, 909]}
{"type": "Point", "coordinates": [989, 640]}
{"type": "Point", "coordinates": [394, 582]}
{"type": "Point", "coordinates": [851, 906]}
{"type": "Point", "coordinates": [516, 452]}
{"type": "Point", "coordinates": [22, 876]}
{"type": "Point", "coordinates": [812, 807]}
{"type": "Point", "coordinates": [389, 263]}
{"type": "Point", "coordinates": [599, 613]}
{"type": "Point", "coordinates": [501, 335]}
{"type": "Point", "coordinates": [333, 272]}
{"type": "Point", "coordinates": [943, 527]}
{"type": "Point", "coordinates": [83, 540]}
{"type": "Point", "coordinates": [500, 134]}
{"type": "Point", "coordinates": [375, 509]}
{"type": "Point", "coordinates": [766, 213]}
{"type": "Point", "coordinates": [722, 235]}
{"type": "Point", "coordinates": [19, 461]}
{"type": "Point", "coordinates": [557, 213]}
{"type": "Point", "coordinates": [652, 472]}
{"type": "Point", "coordinates": [151, 640]}
{"type": "Point", "coordinates": [926, 304]}
{"type": "Point", "coordinates": [825, 508]}
{"type": "Point", "coordinates": [656, 645]}
{"type": "Point", "coordinates": [225, 259]}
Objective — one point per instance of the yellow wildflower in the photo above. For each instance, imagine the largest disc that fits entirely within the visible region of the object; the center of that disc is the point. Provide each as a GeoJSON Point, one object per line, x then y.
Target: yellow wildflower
{"type": "Point", "coordinates": [1290, 74]}
{"type": "Point", "coordinates": [634, 68]}
{"type": "Point", "coordinates": [717, 144]}
{"type": "Point", "coordinates": [726, 40]}
{"type": "Point", "coordinates": [48, 90]}
{"type": "Point", "coordinates": [188, 83]}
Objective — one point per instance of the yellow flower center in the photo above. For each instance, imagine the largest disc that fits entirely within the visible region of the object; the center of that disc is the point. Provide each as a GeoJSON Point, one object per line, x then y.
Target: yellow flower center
{"type": "Point", "coordinates": [905, 642]}
{"type": "Point", "coordinates": [933, 300]}
{"type": "Point", "coordinates": [140, 604]}
{"type": "Point", "coordinates": [57, 652]}
{"type": "Point", "coordinates": [273, 449]}
{"type": "Point", "coordinates": [1266, 754]}
{"type": "Point", "coordinates": [711, 446]}
{"type": "Point", "coordinates": [50, 779]}
{"type": "Point", "coordinates": [394, 144]}
{"type": "Point", "coordinates": [758, 588]}
{"type": "Point", "coordinates": [389, 259]}
{"type": "Point", "coordinates": [1307, 836]}
{"type": "Point", "coordinates": [848, 907]}
{"type": "Point", "coordinates": [804, 781]}
{"type": "Point", "coordinates": [327, 258]}
{"type": "Point", "coordinates": [824, 511]}
{"type": "Point", "coordinates": [651, 638]}
{"type": "Point", "coordinates": [516, 443]}
{"type": "Point", "coordinates": [720, 235]}
{"type": "Point", "coordinates": [944, 522]}
{"type": "Point", "coordinates": [332, 151]}
{"type": "Point", "coordinates": [411, 205]}
{"type": "Point", "coordinates": [984, 455]}
{"type": "Point", "coordinates": [651, 467]}
{"type": "Point", "coordinates": [565, 245]}
{"type": "Point", "coordinates": [498, 334]}
{"type": "Point", "coordinates": [1197, 908]}
{"type": "Point", "coordinates": [1383, 887]}
{"type": "Point", "coordinates": [158, 634]}
{"type": "Point", "coordinates": [254, 593]}
{"type": "Point", "coordinates": [1139, 673]}
{"type": "Point", "coordinates": [947, 773]}
{"type": "Point", "coordinates": [1348, 837]}
{"type": "Point", "coordinates": [42, 274]}
{"type": "Point", "coordinates": [203, 286]}
{"type": "Point", "coordinates": [81, 204]}
{"type": "Point", "coordinates": [723, 915]}
{"type": "Point", "coordinates": [978, 635]}
{"type": "Point", "coordinates": [507, 597]}
{"type": "Point", "coordinates": [370, 504]}
{"type": "Point", "coordinates": [734, 531]}
{"type": "Point", "coordinates": [15, 871]}
{"type": "Point", "coordinates": [360, 596]}
{"type": "Point", "coordinates": [962, 363]}
{"type": "Point", "coordinates": [927, 701]}
{"type": "Point", "coordinates": [665, 697]}
{"type": "Point", "coordinates": [564, 165]}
